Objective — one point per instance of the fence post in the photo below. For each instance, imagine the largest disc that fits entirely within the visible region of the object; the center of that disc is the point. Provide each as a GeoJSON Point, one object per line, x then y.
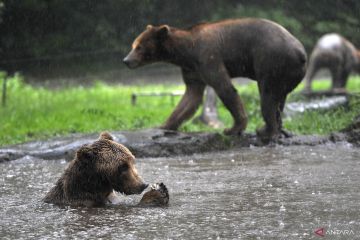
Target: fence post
{"type": "Point", "coordinates": [3, 98]}
{"type": "Point", "coordinates": [133, 99]}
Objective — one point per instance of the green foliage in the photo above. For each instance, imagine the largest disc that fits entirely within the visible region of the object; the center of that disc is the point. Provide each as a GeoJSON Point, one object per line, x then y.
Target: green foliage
{"type": "Point", "coordinates": [51, 28]}
{"type": "Point", "coordinates": [324, 122]}
{"type": "Point", "coordinates": [274, 14]}
{"type": "Point", "coordinates": [307, 20]}
{"type": "Point", "coordinates": [39, 29]}
{"type": "Point", "coordinates": [38, 113]}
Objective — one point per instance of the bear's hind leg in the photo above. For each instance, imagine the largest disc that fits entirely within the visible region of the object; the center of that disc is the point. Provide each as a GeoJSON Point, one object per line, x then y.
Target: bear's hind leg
{"type": "Point", "coordinates": [271, 112]}
{"type": "Point", "coordinates": [336, 71]}
{"type": "Point", "coordinates": [339, 84]}
{"type": "Point", "coordinates": [284, 132]}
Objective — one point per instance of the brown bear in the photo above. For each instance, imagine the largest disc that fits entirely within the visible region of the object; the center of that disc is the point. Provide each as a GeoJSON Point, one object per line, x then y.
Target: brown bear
{"type": "Point", "coordinates": [337, 54]}
{"type": "Point", "coordinates": [213, 53]}
{"type": "Point", "coordinates": [96, 171]}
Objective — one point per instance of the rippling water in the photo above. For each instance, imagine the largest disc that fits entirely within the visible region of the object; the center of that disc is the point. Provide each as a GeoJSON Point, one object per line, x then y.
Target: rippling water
{"type": "Point", "coordinates": [256, 193]}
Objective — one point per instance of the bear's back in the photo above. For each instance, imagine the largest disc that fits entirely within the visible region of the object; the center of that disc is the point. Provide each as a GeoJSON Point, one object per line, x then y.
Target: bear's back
{"type": "Point", "coordinates": [247, 38]}
{"type": "Point", "coordinates": [246, 30]}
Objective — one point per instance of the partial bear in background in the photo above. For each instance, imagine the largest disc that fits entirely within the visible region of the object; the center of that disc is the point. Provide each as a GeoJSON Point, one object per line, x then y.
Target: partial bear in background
{"type": "Point", "coordinates": [213, 53]}
{"type": "Point", "coordinates": [96, 171]}
{"type": "Point", "coordinates": [337, 54]}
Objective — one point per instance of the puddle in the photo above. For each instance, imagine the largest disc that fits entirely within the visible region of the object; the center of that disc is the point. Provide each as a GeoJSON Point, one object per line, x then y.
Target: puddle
{"type": "Point", "coordinates": [256, 193]}
{"type": "Point", "coordinates": [315, 104]}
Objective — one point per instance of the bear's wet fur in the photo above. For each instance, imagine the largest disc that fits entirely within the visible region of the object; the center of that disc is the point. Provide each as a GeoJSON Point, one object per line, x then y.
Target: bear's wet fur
{"type": "Point", "coordinates": [97, 170]}
{"type": "Point", "coordinates": [213, 53]}
{"type": "Point", "coordinates": [338, 55]}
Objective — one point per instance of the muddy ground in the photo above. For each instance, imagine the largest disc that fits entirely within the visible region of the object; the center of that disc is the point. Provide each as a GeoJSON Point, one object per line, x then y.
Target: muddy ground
{"type": "Point", "coordinates": [162, 143]}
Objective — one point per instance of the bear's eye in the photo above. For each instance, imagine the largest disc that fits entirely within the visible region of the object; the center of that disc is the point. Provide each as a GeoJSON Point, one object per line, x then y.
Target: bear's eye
{"type": "Point", "coordinates": [123, 167]}
{"type": "Point", "coordinates": [138, 48]}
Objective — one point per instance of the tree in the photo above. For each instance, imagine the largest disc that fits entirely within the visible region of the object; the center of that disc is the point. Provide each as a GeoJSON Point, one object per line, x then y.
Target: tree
{"type": "Point", "coordinates": [42, 28]}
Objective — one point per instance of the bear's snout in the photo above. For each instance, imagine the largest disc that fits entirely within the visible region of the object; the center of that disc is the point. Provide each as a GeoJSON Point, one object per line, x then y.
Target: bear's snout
{"type": "Point", "coordinates": [126, 61]}
{"type": "Point", "coordinates": [144, 186]}
{"type": "Point", "coordinates": [141, 188]}
{"type": "Point", "coordinates": [131, 61]}
{"type": "Point", "coordinates": [135, 189]}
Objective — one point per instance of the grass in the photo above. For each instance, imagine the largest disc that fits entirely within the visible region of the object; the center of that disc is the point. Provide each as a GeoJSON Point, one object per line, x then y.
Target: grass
{"type": "Point", "coordinates": [325, 121]}
{"type": "Point", "coordinates": [39, 113]}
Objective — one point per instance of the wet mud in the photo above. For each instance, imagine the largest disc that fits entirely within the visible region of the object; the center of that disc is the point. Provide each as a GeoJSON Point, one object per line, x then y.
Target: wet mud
{"type": "Point", "coordinates": [163, 143]}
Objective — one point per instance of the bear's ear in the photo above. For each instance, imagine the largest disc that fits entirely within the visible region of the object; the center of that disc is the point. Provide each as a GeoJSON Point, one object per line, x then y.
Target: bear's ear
{"type": "Point", "coordinates": [164, 30]}
{"type": "Point", "coordinates": [85, 152]}
{"type": "Point", "coordinates": [149, 27]}
{"type": "Point", "coordinates": [106, 135]}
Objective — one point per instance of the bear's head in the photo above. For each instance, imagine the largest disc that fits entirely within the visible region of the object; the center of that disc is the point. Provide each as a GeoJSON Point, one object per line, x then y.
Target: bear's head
{"type": "Point", "coordinates": [113, 162]}
{"type": "Point", "coordinates": [148, 47]}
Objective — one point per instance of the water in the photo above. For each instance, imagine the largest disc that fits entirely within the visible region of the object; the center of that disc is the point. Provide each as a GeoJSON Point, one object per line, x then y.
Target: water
{"type": "Point", "coordinates": [255, 193]}
{"type": "Point", "coordinates": [315, 104]}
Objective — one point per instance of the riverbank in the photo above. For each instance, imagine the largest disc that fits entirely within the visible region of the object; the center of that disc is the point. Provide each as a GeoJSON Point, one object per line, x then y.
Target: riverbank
{"type": "Point", "coordinates": [164, 143]}
{"type": "Point", "coordinates": [38, 113]}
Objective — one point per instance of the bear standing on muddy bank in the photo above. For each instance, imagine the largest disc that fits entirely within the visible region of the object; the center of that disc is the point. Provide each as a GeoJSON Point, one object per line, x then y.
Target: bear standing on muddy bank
{"type": "Point", "coordinates": [337, 54]}
{"type": "Point", "coordinates": [213, 53]}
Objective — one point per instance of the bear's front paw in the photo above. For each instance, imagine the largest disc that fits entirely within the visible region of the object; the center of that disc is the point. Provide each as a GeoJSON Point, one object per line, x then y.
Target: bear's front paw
{"type": "Point", "coordinates": [235, 130]}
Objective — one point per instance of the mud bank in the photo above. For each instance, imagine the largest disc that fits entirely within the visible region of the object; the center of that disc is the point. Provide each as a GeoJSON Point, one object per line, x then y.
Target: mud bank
{"type": "Point", "coordinates": [350, 134]}
{"type": "Point", "coordinates": [162, 143]}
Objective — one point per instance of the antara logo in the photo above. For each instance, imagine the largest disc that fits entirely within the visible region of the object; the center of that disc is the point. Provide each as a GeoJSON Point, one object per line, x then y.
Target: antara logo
{"type": "Point", "coordinates": [321, 232]}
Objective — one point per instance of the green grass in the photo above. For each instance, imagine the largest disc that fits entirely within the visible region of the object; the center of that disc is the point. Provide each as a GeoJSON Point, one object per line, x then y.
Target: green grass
{"type": "Point", "coordinates": [325, 122]}
{"type": "Point", "coordinates": [39, 113]}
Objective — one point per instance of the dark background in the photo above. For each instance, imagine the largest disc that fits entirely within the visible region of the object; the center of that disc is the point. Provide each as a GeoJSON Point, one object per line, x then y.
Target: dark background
{"type": "Point", "coordinates": [54, 37]}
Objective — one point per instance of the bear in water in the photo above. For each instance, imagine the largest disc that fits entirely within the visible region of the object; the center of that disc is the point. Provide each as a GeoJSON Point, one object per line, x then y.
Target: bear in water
{"type": "Point", "coordinates": [97, 170]}
{"type": "Point", "coordinates": [337, 54]}
{"type": "Point", "coordinates": [213, 53]}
